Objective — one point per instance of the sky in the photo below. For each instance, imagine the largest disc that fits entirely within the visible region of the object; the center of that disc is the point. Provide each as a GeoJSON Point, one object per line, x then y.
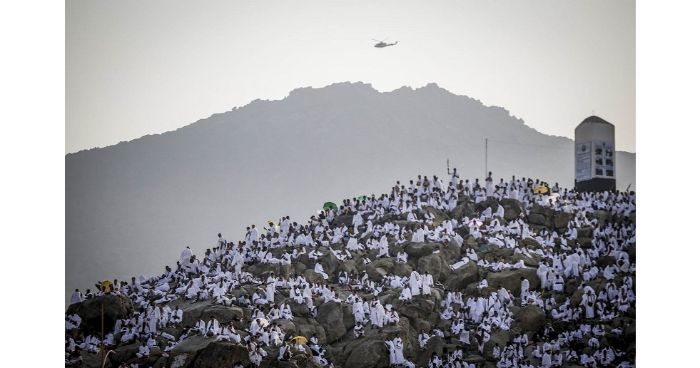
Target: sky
{"type": "Point", "coordinates": [145, 67]}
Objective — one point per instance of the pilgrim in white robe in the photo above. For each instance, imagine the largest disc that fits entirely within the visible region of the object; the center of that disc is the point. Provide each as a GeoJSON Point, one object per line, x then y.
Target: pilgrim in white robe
{"type": "Point", "coordinates": [427, 282]}
{"type": "Point", "coordinates": [319, 270]}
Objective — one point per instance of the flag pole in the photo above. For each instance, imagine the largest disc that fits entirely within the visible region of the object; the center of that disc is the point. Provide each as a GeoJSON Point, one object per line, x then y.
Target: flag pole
{"type": "Point", "coordinates": [486, 158]}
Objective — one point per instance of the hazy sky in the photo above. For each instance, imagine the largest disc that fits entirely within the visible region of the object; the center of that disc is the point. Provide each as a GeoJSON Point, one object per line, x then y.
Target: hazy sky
{"type": "Point", "coordinates": [143, 67]}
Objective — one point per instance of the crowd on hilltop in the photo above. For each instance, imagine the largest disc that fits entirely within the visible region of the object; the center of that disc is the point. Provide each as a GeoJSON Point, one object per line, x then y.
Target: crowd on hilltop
{"type": "Point", "coordinates": [578, 330]}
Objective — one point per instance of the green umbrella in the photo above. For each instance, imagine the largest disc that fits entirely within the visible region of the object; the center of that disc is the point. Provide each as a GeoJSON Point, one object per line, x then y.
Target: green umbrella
{"type": "Point", "coordinates": [330, 205]}
{"type": "Point", "coordinates": [362, 197]}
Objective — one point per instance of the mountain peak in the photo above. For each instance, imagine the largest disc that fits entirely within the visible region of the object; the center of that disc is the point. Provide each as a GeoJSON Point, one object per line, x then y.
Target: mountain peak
{"type": "Point", "coordinates": [334, 87]}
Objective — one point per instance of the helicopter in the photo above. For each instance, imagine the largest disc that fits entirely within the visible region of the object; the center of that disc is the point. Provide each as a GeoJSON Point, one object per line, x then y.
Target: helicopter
{"type": "Point", "coordinates": [381, 44]}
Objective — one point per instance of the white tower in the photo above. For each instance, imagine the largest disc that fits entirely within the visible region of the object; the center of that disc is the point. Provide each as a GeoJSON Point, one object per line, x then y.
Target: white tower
{"type": "Point", "coordinates": [595, 155]}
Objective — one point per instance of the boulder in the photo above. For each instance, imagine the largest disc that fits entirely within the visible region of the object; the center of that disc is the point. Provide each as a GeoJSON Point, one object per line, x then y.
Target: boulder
{"type": "Point", "coordinates": [537, 219]}
{"type": "Point", "coordinates": [402, 269]}
{"type": "Point", "coordinates": [185, 353]}
{"type": "Point", "coordinates": [463, 276]}
{"type": "Point", "coordinates": [530, 318]}
{"type": "Point", "coordinates": [309, 326]}
{"type": "Point", "coordinates": [530, 243]}
{"type": "Point", "coordinates": [192, 345]}
{"type": "Point", "coordinates": [512, 209]}
{"type": "Point", "coordinates": [348, 266]}
{"type": "Point", "coordinates": [123, 353]}
{"type": "Point", "coordinates": [221, 354]}
{"type": "Point", "coordinates": [299, 310]}
{"type": "Point", "coordinates": [191, 313]}
{"type": "Point", "coordinates": [435, 344]}
{"type": "Point", "coordinates": [286, 325]}
{"type": "Point", "coordinates": [466, 208]}
{"type": "Point", "coordinates": [329, 262]}
{"type": "Point", "coordinates": [500, 337]}
{"type": "Point", "coordinates": [606, 261]}
{"type": "Point", "coordinates": [418, 250]}
{"type": "Point", "coordinates": [632, 251]}
{"type": "Point", "coordinates": [585, 243]}
{"type": "Point", "coordinates": [529, 261]}
{"type": "Point", "coordinates": [90, 311]}
{"type": "Point", "coordinates": [584, 232]}
{"type": "Point", "coordinates": [379, 268]}
{"type": "Point", "coordinates": [510, 279]}
{"type": "Point", "coordinates": [435, 265]}
{"type": "Point", "coordinates": [369, 352]}
{"type": "Point", "coordinates": [314, 277]}
{"type": "Point", "coordinates": [330, 316]}
{"type": "Point", "coordinates": [561, 220]}
{"type": "Point", "coordinates": [440, 216]}
{"type": "Point", "coordinates": [303, 361]}
{"type": "Point", "coordinates": [341, 220]}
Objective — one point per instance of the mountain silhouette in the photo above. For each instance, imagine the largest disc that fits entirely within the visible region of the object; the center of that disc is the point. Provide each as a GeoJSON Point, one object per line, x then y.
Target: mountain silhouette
{"type": "Point", "coordinates": [130, 207]}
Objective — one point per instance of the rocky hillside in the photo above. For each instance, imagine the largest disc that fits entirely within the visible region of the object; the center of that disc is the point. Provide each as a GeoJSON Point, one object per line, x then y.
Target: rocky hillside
{"type": "Point", "coordinates": [578, 223]}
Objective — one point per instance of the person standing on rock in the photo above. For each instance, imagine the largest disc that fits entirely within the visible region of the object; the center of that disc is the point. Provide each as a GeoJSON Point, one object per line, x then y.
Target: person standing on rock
{"type": "Point", "coordinates": [427, 282]}
{"type": "Point", "coordinates": [377, 314]}
{"type": "Point", "coordinates": [185, 256]}
{"type": "Point", "coordinates": [489, 186]}
{"type": "Point", "coordinates": [524, 288]}
{"type": "Point", "coordinates": [406, 294]}
{"type": "Point", "coordinates": [358, 311]}
{"type": "Point", "coordinates": [392, 352]}
{"type": "Point", "coordinates": [271, 283]}
{"type": "Point", "coordinates": [542, 272]}
{"type": "Point", "coordinates": [588, 301]}
{"type": "Point", "coordinates": [398, 351]}
{"type": "Point", "coordinates": [414, 282]}
{"type": "Point", "coordinates": [77, 297]}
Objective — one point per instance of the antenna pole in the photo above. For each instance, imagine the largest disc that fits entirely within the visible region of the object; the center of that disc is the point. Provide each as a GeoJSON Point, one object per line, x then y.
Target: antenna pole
{"type": "Point", "coordinates": [448, 167]}
{"type": "Point", "coordinates": [486, 158]}
{"type": "Point", "coordinates": [102, 333]}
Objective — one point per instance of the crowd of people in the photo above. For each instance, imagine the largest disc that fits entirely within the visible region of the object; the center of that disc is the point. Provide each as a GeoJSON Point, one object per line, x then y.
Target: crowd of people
{"type": "Point", "coordinates": [578, 329]}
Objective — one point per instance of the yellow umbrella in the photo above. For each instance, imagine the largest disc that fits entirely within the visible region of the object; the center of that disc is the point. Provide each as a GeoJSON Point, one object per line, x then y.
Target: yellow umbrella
{"type": "Point", "coordinates": [301, 339]}
{"type": "Point", "coordinates": [541, 189]}
{"type": "Point", "coordinates": [106, 286]}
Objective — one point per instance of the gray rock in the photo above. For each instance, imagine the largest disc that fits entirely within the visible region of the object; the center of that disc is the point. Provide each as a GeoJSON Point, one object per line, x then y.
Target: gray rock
{"type": "Point", "coordinates": [530, 318]}
{"type": "Point", "coordinates": [221, 354]}
{"type": "Point", "coordinates": [510, 279]}
{"type": "Point", "coordinates": [512, 208]}
{"type": "Point", "coordinates": [435, 265]}
{"type": "Point", "coordinates": [418, 250]}
{"type": "Point", "coordinates": [330, 316]}
{"type": "Point", "coordinates": [90, 311]}
{"type": "Point", "coordinates": [463, 276]}
{"type": "Point", "coordinates": [368, 353]}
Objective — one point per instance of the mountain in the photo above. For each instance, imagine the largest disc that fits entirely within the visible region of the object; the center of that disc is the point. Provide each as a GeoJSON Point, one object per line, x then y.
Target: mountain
{"type": "Point", "coordinates": [131, 206]}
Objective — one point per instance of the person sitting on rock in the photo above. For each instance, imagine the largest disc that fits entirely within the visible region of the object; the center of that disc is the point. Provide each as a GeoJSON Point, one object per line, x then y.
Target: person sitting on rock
{"type": "Point", "coordinates": [435, 361]}
{"type": "Point", "coordinates": [524, 288]}
{"type": "Point", "coordinates": [144, 351]}
{"type": "Point", "coordinates": [423, 338]}
{"type": "Point", "coordinates": [318, 268]}
{"type": "Point", "coordinates": [401, 257]}
{"type": "Point", "coordinates": [406, 294]}
{"type": "Point", "coordinates": [391, 316]}
{"type": "Point", "coordinates": [256, 355]}
{"type": "Point", "coordinates": [285, 352]}
{"type": "Point", "coordinates": [359, 330]}
{"type": "Point", "coordinates": [229, 333]}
